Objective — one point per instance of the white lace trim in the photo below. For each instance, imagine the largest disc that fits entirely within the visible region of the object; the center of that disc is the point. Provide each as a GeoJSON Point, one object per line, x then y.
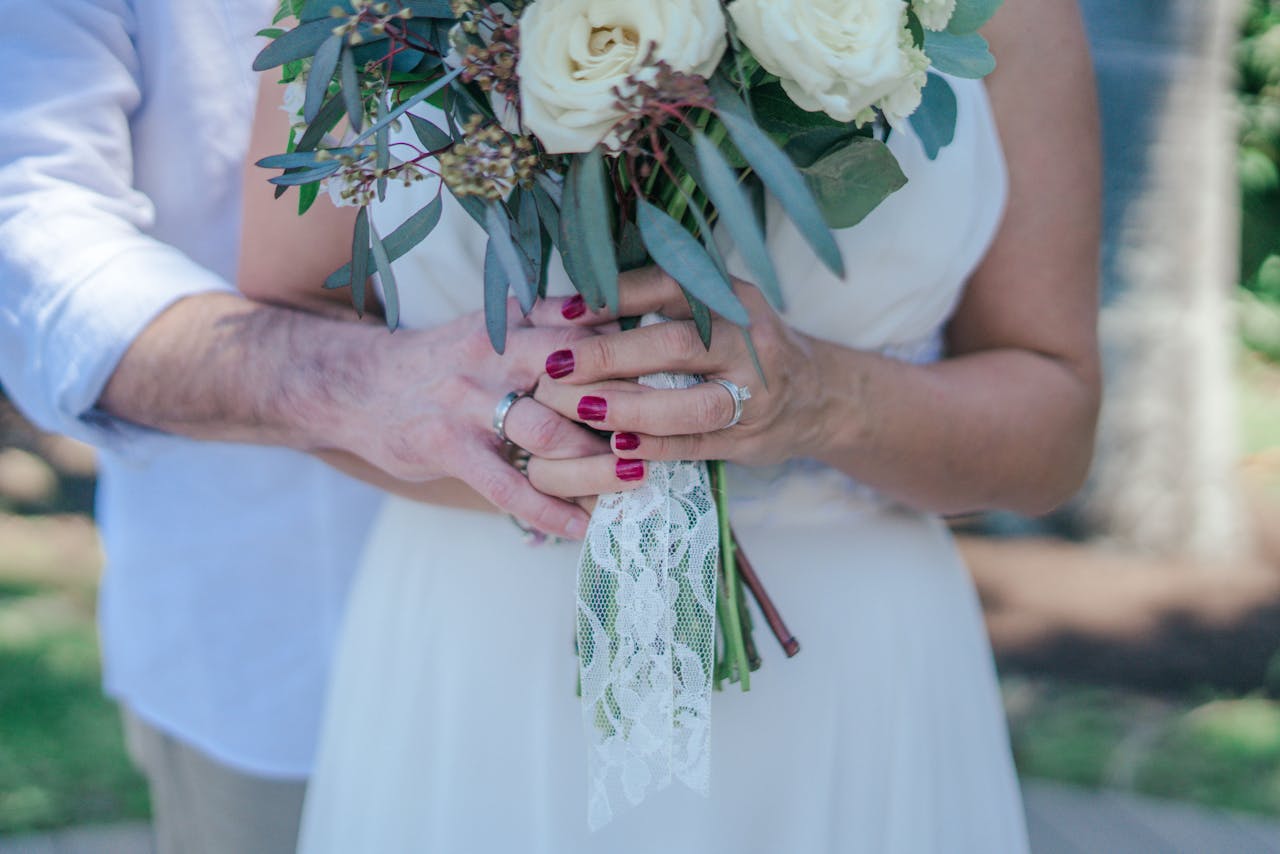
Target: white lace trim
{"type": "Point", "coordinates": [646, 633]}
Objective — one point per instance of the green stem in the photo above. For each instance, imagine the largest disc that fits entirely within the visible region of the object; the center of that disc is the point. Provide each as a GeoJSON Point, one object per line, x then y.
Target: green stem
{"type": "Point", "coordinates": [733, 626]}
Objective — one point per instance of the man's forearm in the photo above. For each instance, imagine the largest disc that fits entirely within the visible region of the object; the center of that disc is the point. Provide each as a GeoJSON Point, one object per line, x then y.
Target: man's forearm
{"type": "Point", "coordinates": [220, 367]}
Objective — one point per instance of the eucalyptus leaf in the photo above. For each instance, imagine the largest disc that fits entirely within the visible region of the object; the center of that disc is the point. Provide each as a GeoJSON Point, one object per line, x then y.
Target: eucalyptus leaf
{"type": "Point", "coordinates": [586, 239]}
{"type": "Point", "coordinates": [528, 235]}
{"type": "Point", "coordinates": [778, 174]}
{"type": "Point", "coordinates": [299, 43]}
{"type": "Point", "coordinates": [685, 154]}
{"type": "Point", "coordinates": [359, 259]}
{"type": "Point", "coordinates": [322, 69]}
{"type": "Point", "coordinates": [328, 118]}
{"type": "Point", "coordinates": [547, 212]}
{"type": "Point", "coordinates": [960, 56]}
{"type": "Point", "coordinates": [431, 9]}
{"type": "Point", "coordinates": [295, 159]}
{"type": "Point", "coordinates": [701, 317]}
{"type": "Point", "coordinates": [350, 84]}
{"type": "Point", "coordinates": [498, 225]}
{"type": "Point", "coordinates": [293, 178]}
{"type": "Point", "coordinates": [382, 140]}
{"type": "Point", "coordinates": [387, 277]}
{"type": "Point", "coordinates": [935, 120]}
{"type": "Point", "coordinates": [407, 235]}
{"type": "Point", "coordinates": [495, 300]}
{"type": "Point", "coordinates": [853, 180]}
{"type": "Point", "coordinates": [408, 104]}
{"type": "Point", "coordinates": [431, 137]}
{"type": "Point", "coordinates": [971, 15]}
{"type": "Point", "coordinates": [686, 260]}
{"type": "Point", "coordinates": [553, 188]}
{"type": "Point", "coordinates": [631, 252]}
{"type": "Point", "coordinates": [720, 183]}
{"type": "Point", "coordinates": [315, 10]}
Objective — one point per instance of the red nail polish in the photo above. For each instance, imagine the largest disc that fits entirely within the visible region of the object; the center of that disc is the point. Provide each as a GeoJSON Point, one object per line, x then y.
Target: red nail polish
{"type": "Point", "coordinates": [574, 308]}
{"type": "Point", "coordinates": [560, 364]}
{"type": "Point", "coordinates": [592, 408]}
{"type": "Point", "coordinates": [630, 469]}
{"type": "Point", "coordinates": [626, 441]}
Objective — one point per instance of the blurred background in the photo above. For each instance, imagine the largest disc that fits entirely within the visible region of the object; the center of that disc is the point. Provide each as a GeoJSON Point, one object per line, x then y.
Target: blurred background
{"type": "Point", "coordinates": [1137, 631]}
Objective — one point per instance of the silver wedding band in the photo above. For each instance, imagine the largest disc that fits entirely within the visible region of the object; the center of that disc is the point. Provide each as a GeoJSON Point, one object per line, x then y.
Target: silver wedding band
{"type": "Point", "coordinates": [740, 394]}
{"type": "Point", "coordinates": [501, 411]}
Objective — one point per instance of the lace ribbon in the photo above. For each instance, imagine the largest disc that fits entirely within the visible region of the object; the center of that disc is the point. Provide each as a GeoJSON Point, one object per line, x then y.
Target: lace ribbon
{"type": "Point", "coordinates": [646, 633]}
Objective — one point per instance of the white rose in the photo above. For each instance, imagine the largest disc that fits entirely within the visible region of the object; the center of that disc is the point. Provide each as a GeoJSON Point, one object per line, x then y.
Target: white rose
{"type": "Point", "coordinates": [934, 14]}
{"type": "Point", "coordinates": [574, 53]}
{"type": "Point", "coordinates": [842, 57]}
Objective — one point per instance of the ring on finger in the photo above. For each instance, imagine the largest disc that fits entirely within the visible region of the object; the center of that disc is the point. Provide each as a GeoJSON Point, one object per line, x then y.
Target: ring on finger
{"type": "Point", "coordinates": [740, 394]}
{"type": "Point", "coordinates": [502, 410]}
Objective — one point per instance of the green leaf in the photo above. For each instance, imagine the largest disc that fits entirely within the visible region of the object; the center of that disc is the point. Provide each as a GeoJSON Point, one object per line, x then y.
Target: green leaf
{"type": "Point", "coordinates": [359, 259]}
{"type": "Point", "coordinates": [439, 9]}
{"type": "Point", "coordinates": [972, 15]}
{"type": "Point", "coordinates": [701, 317]}
{"type": "Point", "coordinates": [686, 260]}
{"type": "Point", "coordinates": [777, 113]}
{"type": "Point", "coordinates": [407, 235]}
{"type": "Point", "coordinates": [299, 43]}
{"type": "Point", "coordinates": [960, 56]}
{"type": "Point", "coordinates": [495, 299]}
{"type": "Point", "coordinates": [684, 153]}
{"type": "Point", "coordinates": [387, 276]}
{"type": "Point", "coordinates": [586, 236]}
{"type": "Point", "coordinates": [350, 83]}
{"type": "Point", "coordinates": [293, 178]}
{"type": "Point", "coordinates": [270, 32]}
{"type": "Point", "coordinates": [853, 180]}
{"type": "Point", "coordinates": [778, 174]}
{"type": "Point", "coordinates": [631, 252]}
{"type": "Point", "coordinates": [382, 144]}
{"type": "Point", "coordinates": [503, 248]}
{"type": "Point", "coordinates": [325, 121]}
{"type": "Point", "coordinates": [528, 235]}
{"type": "Point", "coordinates": [408, 104]}
{"type": "Point", "coordinates": [915, 27]}
{"type": "Point", "coordinates": [720, 183]}
{"type": "Point", "coordinates": [322, 69]}
{"type": "Point", "coordinates": [295, 159]}
{"type": "Point", "coordinates": [431, 137]}
{"type": "Point", "coordinates": [547, 212]}
{"type": "Point", "coordinates": [935, 120]}
{"type": "Point", "coordinates": [307, 195]}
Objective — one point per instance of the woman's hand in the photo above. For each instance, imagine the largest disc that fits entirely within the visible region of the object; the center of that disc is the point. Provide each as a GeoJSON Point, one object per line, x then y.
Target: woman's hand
{"type": "Point", "coordinates": [588, 380]}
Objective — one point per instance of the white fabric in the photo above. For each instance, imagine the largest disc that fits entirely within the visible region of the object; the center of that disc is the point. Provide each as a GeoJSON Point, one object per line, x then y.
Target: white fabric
{"type": "Point", "coordinates": [125, 128]}
{"type": "Point", "coordinates": [452, 721]}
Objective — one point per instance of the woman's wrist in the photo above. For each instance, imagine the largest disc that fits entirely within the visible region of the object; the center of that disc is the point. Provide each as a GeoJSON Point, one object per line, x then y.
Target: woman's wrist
{"type": "Point", "coordinates": [834, 420]}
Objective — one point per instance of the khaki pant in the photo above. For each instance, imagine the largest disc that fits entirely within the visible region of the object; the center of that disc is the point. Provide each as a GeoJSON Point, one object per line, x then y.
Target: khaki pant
{"type": "Point", "coordinates": [200, 806]}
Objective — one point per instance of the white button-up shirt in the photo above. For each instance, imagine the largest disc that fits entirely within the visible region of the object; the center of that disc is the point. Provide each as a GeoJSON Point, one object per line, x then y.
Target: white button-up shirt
{"type": "Point", "coordinates": [123, 128]}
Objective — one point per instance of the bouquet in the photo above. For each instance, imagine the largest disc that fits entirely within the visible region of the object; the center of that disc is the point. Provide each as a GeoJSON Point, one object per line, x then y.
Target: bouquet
{"type": "Point", "coordinates": [621, 133]}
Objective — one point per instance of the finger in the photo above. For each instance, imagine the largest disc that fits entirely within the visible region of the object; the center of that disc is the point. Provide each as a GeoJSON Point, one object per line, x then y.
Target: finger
{"type": "Point", "coordinates": [544, 432]}
{"type": "Point", "coordinates": [642, 291]}
{"type": "Point", "coordinates": [585, 476]}
{"type": "Point", "coordinates": [551, 312]}
{"type": "Point", "coordinates": [563, 399]}
{"type": "Point", "coordinates": [672, 346]}
{"type": "Point", "coordinates": [507, 489]}
{"type": "Point", "coordinates": [703, 408]}
{"type": "Point", "coordinates": [698, 446]}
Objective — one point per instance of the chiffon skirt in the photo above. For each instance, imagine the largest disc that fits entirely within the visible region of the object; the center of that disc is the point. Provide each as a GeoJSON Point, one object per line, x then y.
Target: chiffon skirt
{"type": "Point", "coordinates": [453, 725]}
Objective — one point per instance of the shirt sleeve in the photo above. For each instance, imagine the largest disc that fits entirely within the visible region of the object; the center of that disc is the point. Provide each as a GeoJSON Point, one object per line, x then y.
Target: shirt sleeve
{"type": "Point", "coordinates": [79, 276]}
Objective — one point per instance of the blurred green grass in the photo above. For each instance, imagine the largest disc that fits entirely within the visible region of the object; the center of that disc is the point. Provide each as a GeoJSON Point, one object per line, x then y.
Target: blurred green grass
{"type": "Point", "coordinates": [62, 756]}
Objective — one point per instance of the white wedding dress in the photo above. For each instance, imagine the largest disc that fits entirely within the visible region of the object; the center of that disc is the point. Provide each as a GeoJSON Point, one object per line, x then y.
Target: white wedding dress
{"type": "Point", "coordinates": [453, 724]}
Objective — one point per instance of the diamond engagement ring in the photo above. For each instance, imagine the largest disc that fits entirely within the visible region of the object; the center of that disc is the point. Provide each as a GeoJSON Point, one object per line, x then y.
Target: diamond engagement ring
{"type": "Point", "coordinates": [501, 411]}
{"type": "Point", "coordinates": [740, 393]}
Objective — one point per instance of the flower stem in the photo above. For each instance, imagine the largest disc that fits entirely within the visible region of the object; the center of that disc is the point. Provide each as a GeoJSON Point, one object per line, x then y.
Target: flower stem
{"type": "Point", "coordinates": [735, 649]}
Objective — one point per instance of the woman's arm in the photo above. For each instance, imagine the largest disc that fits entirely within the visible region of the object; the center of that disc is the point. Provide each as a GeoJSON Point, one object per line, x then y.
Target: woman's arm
{"type": "Point", "coordinates": [1006, 421]}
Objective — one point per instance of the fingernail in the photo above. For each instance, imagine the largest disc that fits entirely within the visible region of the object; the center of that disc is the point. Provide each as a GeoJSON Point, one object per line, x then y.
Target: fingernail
{"type": "Point", "coordinates": [560, 364]}
{"type": "Point", "coordinates": [630, 469]}
{"type": "Point", "coordinates": [591, 408]}
{"type": "Point", "coordinates": [574, 308]}
{"type": "Point", "coordinates": [577, 529]}
{"type": "Point", "coordinates": [626, 441]}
